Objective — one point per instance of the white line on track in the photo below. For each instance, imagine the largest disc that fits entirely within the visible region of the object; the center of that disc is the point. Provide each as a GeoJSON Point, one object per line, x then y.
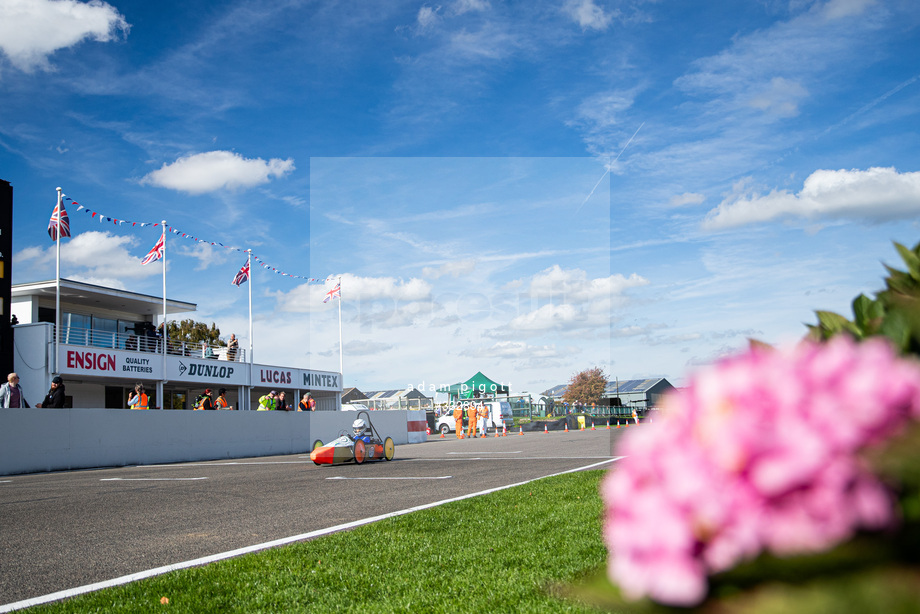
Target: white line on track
{"type": "Point", "coordinates": [516, 458]}
{"type": "Point", "coordinates": [439, 477]}
{"type": "Point", "coordinates": [88, 588]}
{"type": "Point", "coordinates": [481, 453]}
{"type": "Point", "coordinates": [149, 479]}
{"type": "Point", "coordinates": [218, 464]}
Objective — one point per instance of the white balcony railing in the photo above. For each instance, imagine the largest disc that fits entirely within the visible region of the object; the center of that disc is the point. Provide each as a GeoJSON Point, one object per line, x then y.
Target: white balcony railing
{"type": "Point", "coordinates": [143, 343]}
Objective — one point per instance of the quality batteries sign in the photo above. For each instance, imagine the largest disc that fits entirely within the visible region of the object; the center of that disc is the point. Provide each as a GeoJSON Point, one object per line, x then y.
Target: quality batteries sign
{"type": "Point", "coordinates": [206, 371]}
{"type": "Point", "coordinates": [110, 363]}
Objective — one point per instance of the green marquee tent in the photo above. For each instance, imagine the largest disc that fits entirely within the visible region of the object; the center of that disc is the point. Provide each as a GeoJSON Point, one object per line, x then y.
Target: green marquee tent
{"type": "Point", "coordinates": [477, 386]}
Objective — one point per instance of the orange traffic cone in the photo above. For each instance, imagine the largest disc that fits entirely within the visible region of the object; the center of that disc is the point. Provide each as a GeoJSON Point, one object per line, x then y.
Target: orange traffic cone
{"type": "Point", "coordinates": [592, 425]}
{"type": "Point", "coordinates": [428, 431]}
{"type": "Point", "coordinates": [442, 435]}
{"type": "Point", "coordinates": [504, 430]}
{"type": "Point", "coordinates": [545, 430]}
{"type": "Point", "coordinates": [608, 424]}
{"type": "Point", "coordinates": [618, 424]}
{"type": "Point", "coordinates": [566, 426]}
{"type": "Point", "coordinates": [521, 431]}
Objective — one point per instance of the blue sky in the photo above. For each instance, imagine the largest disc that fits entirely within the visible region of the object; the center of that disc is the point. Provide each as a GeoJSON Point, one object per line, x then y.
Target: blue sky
{"type": "Point", "coordinates": [527, 189]}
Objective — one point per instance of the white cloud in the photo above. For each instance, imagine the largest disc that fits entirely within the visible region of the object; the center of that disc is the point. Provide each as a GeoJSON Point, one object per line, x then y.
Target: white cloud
{"type": "Point", "coordinates": [205, 253]}
{"type": "Point", "coordinates": [465, 6]}
{"type": "Point", "coordinates": [587, 14]}
{"type": "Point", "coordinates": [874, 195]}
{"type": "Point", "coordinates": [365, 347]}
{"type": "Point", "coordinates": [31, 30]}
{"type": "Point", "coordinates": [514, 350]}
{"type": "Point", "coordinates": [574, 285]}
{"type": "Point", "coordinates": [780, 98]}
{"type": "Point", "coordinates": [837, 9]}
{"type": "Point", "coordinates": [309, 297]}
{"type": "Point", "coordinates": [454, 269]}
{"type": "Point", "coordinates": [217, 170]}
{"type": "Point", "coordinates": [427, 17]}
{"type": "Point", "coordinates": [95, 257]}
{"type": "Point", "coordinates": [687, 198]}
{"type": "Point", "coordinates": [549, 317]}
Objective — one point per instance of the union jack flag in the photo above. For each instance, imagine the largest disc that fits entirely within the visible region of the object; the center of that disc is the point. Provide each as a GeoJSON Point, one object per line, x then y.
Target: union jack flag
{"type": "Point", "coordinates": [156, 252]}
{"type": "Point", "coordinates": [334, 293]}
{"type": "Point", "coordinates": [242, 276]}
{"type": "Point", "coordinates": [59, 221]}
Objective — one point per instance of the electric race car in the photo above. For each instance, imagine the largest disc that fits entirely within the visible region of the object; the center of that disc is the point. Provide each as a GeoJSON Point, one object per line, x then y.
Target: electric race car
{"type": "Point", "coordinates": [364, 443]}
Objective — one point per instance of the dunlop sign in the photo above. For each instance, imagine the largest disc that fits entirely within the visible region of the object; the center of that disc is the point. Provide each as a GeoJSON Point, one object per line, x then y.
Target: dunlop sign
{"type": "Point", "coordinates": [206, 371]}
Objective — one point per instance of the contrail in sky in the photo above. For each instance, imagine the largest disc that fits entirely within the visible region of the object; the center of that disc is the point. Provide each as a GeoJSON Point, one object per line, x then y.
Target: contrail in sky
{"type": "Point", "coordinates": [607, 170]}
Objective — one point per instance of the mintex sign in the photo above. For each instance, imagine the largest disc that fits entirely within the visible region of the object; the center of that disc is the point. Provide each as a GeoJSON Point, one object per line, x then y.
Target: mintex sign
{"type": "Point", "coordinates": [110, 363]}
{"type": "Point", "coordinates": [264, 376]}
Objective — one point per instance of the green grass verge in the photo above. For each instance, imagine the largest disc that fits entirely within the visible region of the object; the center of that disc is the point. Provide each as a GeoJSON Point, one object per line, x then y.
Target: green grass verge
{"type": "Point", "coordinates": [501, 552]}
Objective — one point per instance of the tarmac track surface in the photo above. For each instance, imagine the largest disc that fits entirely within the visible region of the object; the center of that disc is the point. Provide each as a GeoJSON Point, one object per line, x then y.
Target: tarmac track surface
{"type": "Point", "coordinates": [64, 530]}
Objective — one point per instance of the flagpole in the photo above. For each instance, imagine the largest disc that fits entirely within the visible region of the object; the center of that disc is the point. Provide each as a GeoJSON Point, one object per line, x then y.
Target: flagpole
{"type": "Point", "coordinates": [57, 287]}
{"type": "Point", "coordinates": [249, 266]}
{"type": "Point", "coordinates": [341, 353]}
{"type": "Point", "coordinates": [160, 391]}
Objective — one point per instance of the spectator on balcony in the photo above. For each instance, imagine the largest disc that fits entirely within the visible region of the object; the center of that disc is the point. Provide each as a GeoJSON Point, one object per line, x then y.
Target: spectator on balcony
{"type": "Point", "coordinates": [233, 346]}
{"type": "Point", "coordinates": [11, 394]}
{"type": "Point", "coordinates": [55, 396]}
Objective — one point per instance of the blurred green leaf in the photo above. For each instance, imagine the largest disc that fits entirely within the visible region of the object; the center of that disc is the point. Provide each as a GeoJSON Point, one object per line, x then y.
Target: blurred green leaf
{"type": "Point", "coordinates": [911, 259]}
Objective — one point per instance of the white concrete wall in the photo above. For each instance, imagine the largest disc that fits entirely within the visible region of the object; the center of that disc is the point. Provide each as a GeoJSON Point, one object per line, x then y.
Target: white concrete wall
{"type": "Point", "coordinates": [33, 440]}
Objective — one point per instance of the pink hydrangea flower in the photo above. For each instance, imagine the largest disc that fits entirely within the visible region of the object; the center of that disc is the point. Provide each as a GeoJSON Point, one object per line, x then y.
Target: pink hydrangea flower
{"type": "Point", "coordinates": [759, 453]}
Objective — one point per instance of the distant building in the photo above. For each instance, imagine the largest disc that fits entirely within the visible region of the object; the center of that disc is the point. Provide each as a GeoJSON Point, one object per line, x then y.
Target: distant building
{"type": "Point", "coordinates": [638, 393]}
{"type": "Point", "coordinates": [394, 399]}
{"type": "Point", "coordinates": [352, 395]}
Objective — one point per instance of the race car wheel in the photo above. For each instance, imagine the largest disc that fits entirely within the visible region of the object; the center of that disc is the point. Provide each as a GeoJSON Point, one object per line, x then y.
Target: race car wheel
{"type": "Point", "coordinates": [445, 429]}
{"type": "Point", "coordinates": [389, 449]}
{"type": "Point", "coordinates": [316, 444]}
{"type": "Point", "coordinates": [360, 451]}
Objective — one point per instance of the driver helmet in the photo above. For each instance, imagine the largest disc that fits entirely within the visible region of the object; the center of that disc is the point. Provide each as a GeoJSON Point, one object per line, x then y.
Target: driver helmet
{"type": "Point", "coordinates": [359, 426]}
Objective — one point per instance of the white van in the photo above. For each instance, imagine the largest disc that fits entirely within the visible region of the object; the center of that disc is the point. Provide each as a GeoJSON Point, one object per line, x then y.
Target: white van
{"type": "Point", "coordinates": [499, 413]}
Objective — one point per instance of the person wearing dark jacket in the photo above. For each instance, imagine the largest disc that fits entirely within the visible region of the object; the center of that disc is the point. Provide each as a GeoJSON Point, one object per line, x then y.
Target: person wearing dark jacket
{"type": "Point", "coordinates": [55, 396]}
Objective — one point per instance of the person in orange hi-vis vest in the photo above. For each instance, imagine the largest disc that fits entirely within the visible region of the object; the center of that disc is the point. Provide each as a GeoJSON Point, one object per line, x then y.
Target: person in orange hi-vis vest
{"type": "Point", "coordinates": [458, 420]}
{"type": "Point", "coordinates": [471, 413]}
{"type": "Point", "coordinates": [221, 402]}
{"type": "Point", "coordinates": [139, 399]}
{"type": "Point", "coordinates": [483, 419]}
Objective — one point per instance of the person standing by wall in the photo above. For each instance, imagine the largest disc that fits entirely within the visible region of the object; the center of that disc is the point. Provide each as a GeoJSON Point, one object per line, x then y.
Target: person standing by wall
{"type": "Point", "coordinates": [458, 420]}
{"type": "Point", "coordinates": [307, 403]}
{"type": "Point", "coordinates": [233, 346]}
{"type": "Point", "coordinates": [267, 402]}
{"type": "Point", "coordinates": [139, 399]}
{"type": "Point", "coordinates": [55, 396]}
{"type": "Point", "coordinates": [281, 404]}
{"type": "Point", "coordinates": [483, 419]}
{"type": "Point", "coordinates": [471, 413]}
{"type": "Point", "coordinates": [204, 401]}
{"type": "Point", "coordinates": [11, 394]}
{"type": "Point", "coordinates": [221, 401]}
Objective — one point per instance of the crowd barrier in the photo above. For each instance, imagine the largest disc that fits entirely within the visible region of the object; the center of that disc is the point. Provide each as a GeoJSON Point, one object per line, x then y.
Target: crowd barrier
{"type": "Point", "coordinates": [35, 440]}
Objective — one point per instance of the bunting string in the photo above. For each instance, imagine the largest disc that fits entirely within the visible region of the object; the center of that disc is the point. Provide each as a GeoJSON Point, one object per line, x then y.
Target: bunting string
{"type": "Point", "coordinates": [105, 219]}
